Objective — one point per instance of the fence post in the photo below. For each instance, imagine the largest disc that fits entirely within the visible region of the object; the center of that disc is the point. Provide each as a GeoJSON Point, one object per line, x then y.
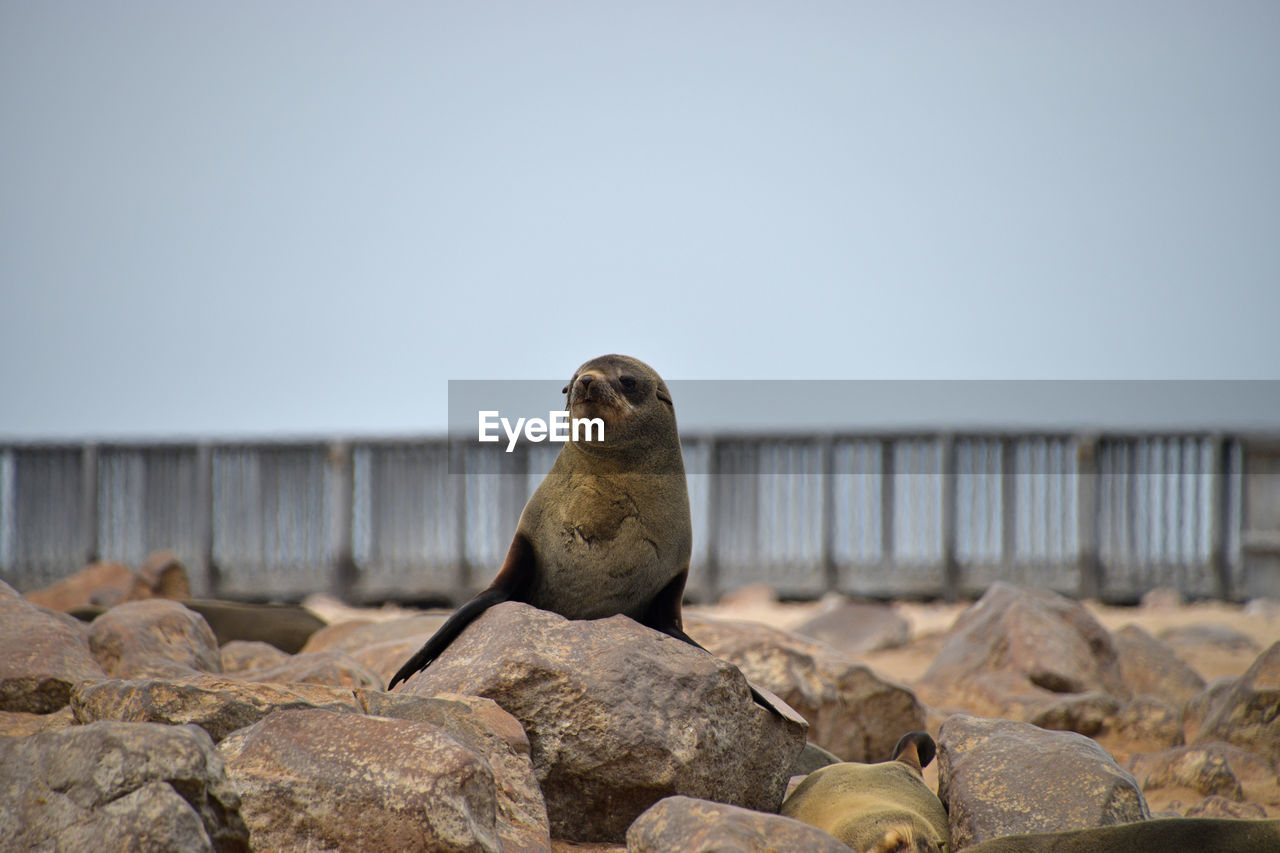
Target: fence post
{"type": "Point", "coordinates": [89, 502]}
{"type": "Point", "coordinates": [1220, 515]}
{"type": "Point", "coordinates": [830, 572]}
{"type": "Point", "coordinates": [1008, 507]}
{"type": "Point", "coordinates": [950, 484]}
{"type": "Point", "coordinates": [887, 504]}
{"type": "Point", "coordinates": [714, 527]}
{"type": "Point", "coordinates": [1090, 566]}
{"type": "Point", "coordinates": [342, 519]}
{"type": "Point", "coordinates": [207, 569]}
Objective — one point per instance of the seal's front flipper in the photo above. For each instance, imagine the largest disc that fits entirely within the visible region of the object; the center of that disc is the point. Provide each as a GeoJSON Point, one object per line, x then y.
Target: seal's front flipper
{"type": "Point", "coordinates": [511, 584]}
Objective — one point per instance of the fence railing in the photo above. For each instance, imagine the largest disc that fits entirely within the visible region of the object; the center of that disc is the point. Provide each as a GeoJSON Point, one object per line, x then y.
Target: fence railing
{"type": "Point", "coordinates": [880, 515]}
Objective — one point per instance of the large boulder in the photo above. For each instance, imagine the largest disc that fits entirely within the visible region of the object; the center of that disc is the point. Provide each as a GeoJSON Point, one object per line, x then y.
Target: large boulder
{"type": "Point", "coordinates": [153, 638]}
{"type": "Point", "coordinates": [41, 657]}
{"type": "Point", "coordinates": [851, 711]}
{"type": "Point", "coordinates": [1244, 712]}
{"type": "Point", "coordinates": [687, 825]}
{"type": "Point", "coordinates": [619, 716]}
{"type": "Point", "coordinates": [319, 780]}
{"type": "Point", "coordinates": [118, 786]}
{"type": "Point", "coordinates": [1151, 667]}
{"type": "Point", "coordinates": [1002, 777]}
{"type": "Point", "coordinates": [1211, 769]}
{"type": "Point", "coordinates": [1016, 651]}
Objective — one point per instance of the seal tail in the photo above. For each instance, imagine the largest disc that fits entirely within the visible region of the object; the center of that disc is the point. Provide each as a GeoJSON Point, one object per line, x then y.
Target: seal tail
{"type": "Point", "coordinates": [511, 584]}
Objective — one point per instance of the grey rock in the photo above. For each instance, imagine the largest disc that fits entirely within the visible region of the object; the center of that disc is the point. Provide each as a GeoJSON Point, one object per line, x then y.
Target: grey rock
{"type": "Point", "coordinates": [688, 825]}
{"type": "Point", "coordinates": [153, 638]}
{"type": "Point", "coordinates": [1244, 713]}
{"type": "Point", "coordinates": [855, 627]}
{"type": "Point", "coordinates": [1002, 777]}
{"type": "Point", "coordinates": [1151, 667]}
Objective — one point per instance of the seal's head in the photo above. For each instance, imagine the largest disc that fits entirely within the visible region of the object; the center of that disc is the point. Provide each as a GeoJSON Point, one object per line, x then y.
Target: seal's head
{"type": "Point", "coordinates": [628, 396]}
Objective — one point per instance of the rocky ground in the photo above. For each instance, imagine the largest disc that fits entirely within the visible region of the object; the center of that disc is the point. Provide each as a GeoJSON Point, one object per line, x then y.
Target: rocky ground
{"type": "Point", "coordinates": [148, 727]}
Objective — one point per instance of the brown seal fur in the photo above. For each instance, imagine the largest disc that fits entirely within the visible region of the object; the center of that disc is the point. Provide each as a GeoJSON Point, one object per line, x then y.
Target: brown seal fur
{"type": "Point", "coordinates": [883, 807]}
{"type": "Point", "coordinates": [608, 531]}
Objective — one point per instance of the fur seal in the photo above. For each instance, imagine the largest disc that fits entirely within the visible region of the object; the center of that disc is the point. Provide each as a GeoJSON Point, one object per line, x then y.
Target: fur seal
{"type": "Point", "coordinates": [881, 808]}
{"type": "Point", "coordinates": [1162, 835]}
{"type": "Point", "coordinates": [608, 530]}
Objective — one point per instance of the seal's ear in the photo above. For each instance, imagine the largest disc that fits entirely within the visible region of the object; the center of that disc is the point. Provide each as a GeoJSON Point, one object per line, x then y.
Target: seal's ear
{"type": "Point", "coordinates": [663, 394]}
{"type": "Point", "coordinates": [915, 749]}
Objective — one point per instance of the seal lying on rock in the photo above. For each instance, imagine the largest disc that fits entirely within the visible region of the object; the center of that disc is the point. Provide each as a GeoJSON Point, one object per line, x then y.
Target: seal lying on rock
{"type": "Point", "coordinates": [884, 808]}
{"type": "Point", "coordinates": [608, 531]}
{"type": "Point", "coordinates": [1163, 835]}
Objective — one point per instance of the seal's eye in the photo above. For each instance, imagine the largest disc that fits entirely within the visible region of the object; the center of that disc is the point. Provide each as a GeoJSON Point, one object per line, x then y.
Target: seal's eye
{"type": "Point", "coordinates": [627, 382]}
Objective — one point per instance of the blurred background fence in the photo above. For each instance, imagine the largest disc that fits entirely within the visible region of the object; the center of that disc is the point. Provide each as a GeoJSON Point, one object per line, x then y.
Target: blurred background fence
{"type": "Point", "coordinates": [876, 515]}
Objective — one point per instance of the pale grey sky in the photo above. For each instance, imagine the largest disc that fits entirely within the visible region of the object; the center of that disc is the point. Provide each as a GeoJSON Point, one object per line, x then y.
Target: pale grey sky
{"type": "Point", "coordinates": [304, 218]}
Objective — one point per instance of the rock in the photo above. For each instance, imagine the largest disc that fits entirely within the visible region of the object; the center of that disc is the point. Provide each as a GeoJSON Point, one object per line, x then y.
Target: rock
{"type": "Point", "coordinates": [117, 786]}
{"type": "Point", "coordinates": [852, 712]}
{"type": "Point", "coordinates": [103, 584]}
{"type": "Point", "coordinates": [1015, 648]}
{"type": "Point", "coordinates": [686, 825]}
{"type": "Point", "coordinates": [331, 667]}
{"type": "Point", "coordinates": [811, 758]}
{"type": "Point", "coordinates": [41, 657]}
{"type": "Point", "coordinates": [155, 638]}
{"type": "Point", "coordinates": [161, 576]}
{"type": "Point", "coordinates": [1146, 724]}
{"type": "Point", "coordinates": [285, 626]}
{"type": "Point", "coordinates": [23, 724]}
{"type": "Point", "coordinates": [1223, 807]}
{"type": "Point", "coordinates": [1208, 635]}
{"type": "Point", "coordinates": [1080, 712]}
{"type": "Point", "coordinates": [1162, 598]}
{"type": "Point", "coordinates": [1001, 777]}
{"type": "Point", "coordinates": [1151, 667]}
{"type": "Point", "coordinates": [1213, 769]}
{"type": "Point", "coordinates": [220, 706]}
{"type": "Point", "coordinates": [1198, 707]}
{"type": "Point", "coordinates": [240, 656]}
{"type": "Point", "coordinates": [320, 780]}
{"type": "Point", "coordinates": [486, 729]}
{"type": "Point", "coordinates": [618, 716]}
{"type": "Point", "coordinates": [355, 634]}
{"type": "Point", "coordinates": [1244, 713]}
{"type": "Point", "coordinates": [385, 659]}
{"type": "Point", "coordinates": [855, 627]}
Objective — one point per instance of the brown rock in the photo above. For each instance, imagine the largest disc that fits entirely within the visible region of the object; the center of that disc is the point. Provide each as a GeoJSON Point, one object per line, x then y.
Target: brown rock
{"type": "Point", "coordinates": [319, 780]}
{"type": "Point", "coordinates": [385, 659]}
{"type": "Point", "coordinates": [23, 724]}
{"type": "Point", "coordinates": [41, 657]}
{"type": "Point", "coordinates": [161, 576]}
{"type": "Point", "coordinates": [220, 706]}
{"type": "Point", "coordinates": [118, 786]}
{"type": "Point", "coordinates": [240, 656]}
{"type": "Point", "coordinates": [618, 716]}
{"type": "Point", "coordinates": [1201, 636]}
{"type": "Point", "coordinates": [331, 667]}
{"type": "Point", "coordinates": [1224, 807]}
{"type": "Point", "coordinates": [486, 729]}
{"type": "Point", "coordinates": [855, 627]}
{"type": "Point", "coordinates": [103, 584]}
{"type": "Point", "coordinates": [157, 638]}
{"type": "Point", "coordinates": [1000, 777]}
{"type": "Point", "coordinates": [1014, 648]}
{"type": "Point", "coordinates": [1245, 712]}
{"type": "Point", "coordinates": [1198, 707]}
{"type": "Point", "coordinates": [1213, 769]}
{"type": "Point", "coordinates": [1147, 724]}
{"type": "Point", "coordinates": [1151, 667]}
{"type": "Point", "coordinates": [852, 712]}
{"type": "Point", "coordinates": [1078, 712]}
{"type": "Point", "coordinates": [686, 825]}
{"type": "Point", "coordinates": [355, 634]}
